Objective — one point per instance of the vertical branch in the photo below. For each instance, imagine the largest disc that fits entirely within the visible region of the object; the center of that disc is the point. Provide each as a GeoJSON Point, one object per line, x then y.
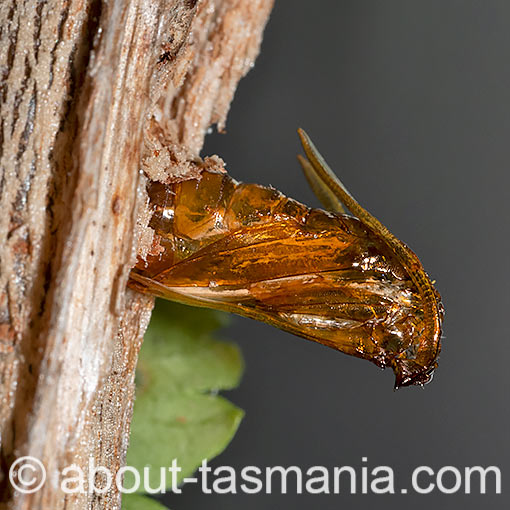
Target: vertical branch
{"type": "Point", "coordinates": [88, 90]}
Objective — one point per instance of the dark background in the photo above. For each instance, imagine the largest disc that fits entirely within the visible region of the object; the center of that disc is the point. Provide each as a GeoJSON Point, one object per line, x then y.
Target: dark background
{"type": "Point", "coordinates": [409, 101]}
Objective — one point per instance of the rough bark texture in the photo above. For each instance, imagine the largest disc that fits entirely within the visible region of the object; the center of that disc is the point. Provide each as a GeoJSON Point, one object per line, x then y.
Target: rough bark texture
{"type": "Point", "coordinates": [92, 91]}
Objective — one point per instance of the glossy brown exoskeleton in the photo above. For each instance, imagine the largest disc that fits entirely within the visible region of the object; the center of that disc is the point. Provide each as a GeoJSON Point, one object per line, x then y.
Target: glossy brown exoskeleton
{"type": "Point", "coordinates": [343, 281]}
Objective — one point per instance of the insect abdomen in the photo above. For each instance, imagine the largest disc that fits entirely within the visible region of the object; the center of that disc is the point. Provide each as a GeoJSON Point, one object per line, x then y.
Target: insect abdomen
{"type": "Point", "coordinates": [191, 215]}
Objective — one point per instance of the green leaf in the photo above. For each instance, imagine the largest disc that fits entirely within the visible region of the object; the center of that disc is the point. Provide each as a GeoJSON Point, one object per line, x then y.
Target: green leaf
{"type": "Point", "coordinates": [178, 413]}
{"type": "Point", "coordinates": [140, 502]}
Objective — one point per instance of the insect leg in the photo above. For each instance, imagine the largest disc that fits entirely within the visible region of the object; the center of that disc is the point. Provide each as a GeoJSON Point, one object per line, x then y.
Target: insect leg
{"type": "Point", "coordinates": [330, 181]}
{"type": "Point", "coordinates": [326, 196]}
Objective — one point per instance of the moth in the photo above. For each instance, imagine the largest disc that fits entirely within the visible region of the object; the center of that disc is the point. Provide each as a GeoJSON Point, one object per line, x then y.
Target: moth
{"type": "Point", "coordinates": [339, 279]}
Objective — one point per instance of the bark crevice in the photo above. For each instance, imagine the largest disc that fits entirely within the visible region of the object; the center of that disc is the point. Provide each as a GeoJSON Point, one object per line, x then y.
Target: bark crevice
{"type": "Point", "coordinates": [90, 93]}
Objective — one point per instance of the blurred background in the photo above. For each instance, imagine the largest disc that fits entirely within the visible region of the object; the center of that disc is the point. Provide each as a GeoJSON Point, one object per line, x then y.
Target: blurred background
{"type": "Point", "coordinates": [409, 101]}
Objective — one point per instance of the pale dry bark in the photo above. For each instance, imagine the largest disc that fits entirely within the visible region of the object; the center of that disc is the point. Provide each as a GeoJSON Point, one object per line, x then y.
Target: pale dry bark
{"type": "Point", "coordinates": [92, 91]}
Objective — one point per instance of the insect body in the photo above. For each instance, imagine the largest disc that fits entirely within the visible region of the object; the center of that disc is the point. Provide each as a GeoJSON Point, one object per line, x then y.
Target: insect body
{"type": "Point", "coordinates": [343, 281]}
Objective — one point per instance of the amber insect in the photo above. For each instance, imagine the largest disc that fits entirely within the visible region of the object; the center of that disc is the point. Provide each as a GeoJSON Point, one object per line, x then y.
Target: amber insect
{"type": "Point", "coordinates": [341, 280]}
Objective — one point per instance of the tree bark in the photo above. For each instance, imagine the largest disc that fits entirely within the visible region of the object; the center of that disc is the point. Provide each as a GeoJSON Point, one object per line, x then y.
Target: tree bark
{"type": "Point", "coordinates": [91, 93]}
